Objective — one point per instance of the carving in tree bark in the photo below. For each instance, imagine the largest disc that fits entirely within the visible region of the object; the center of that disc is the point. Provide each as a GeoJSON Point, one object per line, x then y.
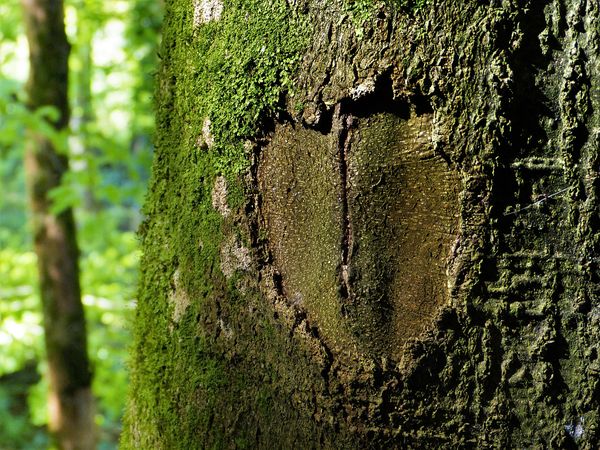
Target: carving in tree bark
{"type": "Point", "coordinates": [368, 264]}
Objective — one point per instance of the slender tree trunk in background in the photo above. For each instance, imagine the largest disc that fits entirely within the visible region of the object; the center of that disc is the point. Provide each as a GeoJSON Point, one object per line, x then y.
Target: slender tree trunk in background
{"type": "Point", "coordinates": [372, 227]}
{"type": "Point", "coordinates": [71, 411]}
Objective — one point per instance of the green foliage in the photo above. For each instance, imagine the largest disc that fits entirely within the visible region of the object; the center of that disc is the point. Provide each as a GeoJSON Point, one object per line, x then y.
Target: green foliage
{"type": "Point", "coordinates": [109, 147]}
{"type": "Point", "coordinates": [10, 23]}
{"type": "Point", "coordinates": [19, 310]}
{"type": "Point", "coordinates": [109, 272]}
{"type": "Point", "coordinates": [14, 119]}
{"type": "Point", "coordinates": [16, 428]}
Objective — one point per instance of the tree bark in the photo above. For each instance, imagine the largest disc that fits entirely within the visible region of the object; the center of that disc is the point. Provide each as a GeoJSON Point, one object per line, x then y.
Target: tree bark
{"type": "Point", "coordinates": [372, 226]}
{"type": "Point", "coordinates": [71, 412]}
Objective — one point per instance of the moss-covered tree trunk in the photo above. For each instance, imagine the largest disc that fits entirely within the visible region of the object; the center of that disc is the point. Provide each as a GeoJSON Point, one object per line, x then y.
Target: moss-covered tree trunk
{"type": "Point", "coordinates": [70, 402]}
{"type": "Point", "coordinates": [372, 226]}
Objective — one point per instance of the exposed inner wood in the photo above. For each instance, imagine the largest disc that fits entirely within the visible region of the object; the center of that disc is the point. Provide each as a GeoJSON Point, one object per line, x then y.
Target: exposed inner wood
{"type": "Point", "coordinates": [403, 206]}
{"type": "Point", "coordinates": [360, 223]}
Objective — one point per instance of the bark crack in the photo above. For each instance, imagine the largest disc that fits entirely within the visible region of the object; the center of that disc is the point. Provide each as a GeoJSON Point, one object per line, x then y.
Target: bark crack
{"type": "Point", "coordinates": [343, 123]}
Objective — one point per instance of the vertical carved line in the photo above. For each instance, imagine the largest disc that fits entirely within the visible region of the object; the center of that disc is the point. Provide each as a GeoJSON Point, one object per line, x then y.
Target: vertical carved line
{"type": "Point", "coordinates": [343, 123]}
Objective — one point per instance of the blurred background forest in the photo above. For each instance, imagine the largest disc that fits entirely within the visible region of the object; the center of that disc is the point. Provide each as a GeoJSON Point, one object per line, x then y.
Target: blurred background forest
{"type": "Point", "coordinates": [109, 143]}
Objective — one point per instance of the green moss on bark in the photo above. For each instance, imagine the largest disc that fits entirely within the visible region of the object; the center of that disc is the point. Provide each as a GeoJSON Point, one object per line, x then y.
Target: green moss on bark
{"type": "Point", "coordinates": [220, 79]}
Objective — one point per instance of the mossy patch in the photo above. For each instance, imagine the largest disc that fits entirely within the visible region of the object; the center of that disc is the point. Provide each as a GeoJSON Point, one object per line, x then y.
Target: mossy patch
{"type": "Point", "coordinates": [242, 66]}
{"type": "Point", "coordinates": [225, 69]}
{"type": "Point", "coordinates": [364, 10]}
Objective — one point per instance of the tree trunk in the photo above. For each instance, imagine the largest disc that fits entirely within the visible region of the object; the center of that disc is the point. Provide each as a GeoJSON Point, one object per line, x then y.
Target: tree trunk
{"type": "Point", "coordinates": [71, 418]}
{"type": "Point", "coordinates": [372, 226]}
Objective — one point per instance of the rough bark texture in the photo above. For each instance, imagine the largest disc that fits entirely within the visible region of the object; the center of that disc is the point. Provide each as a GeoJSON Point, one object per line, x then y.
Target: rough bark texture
{"type": "Point", "coordinates": [71, 418]}
{"type": "Point", "coordinates": [372, 227]}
